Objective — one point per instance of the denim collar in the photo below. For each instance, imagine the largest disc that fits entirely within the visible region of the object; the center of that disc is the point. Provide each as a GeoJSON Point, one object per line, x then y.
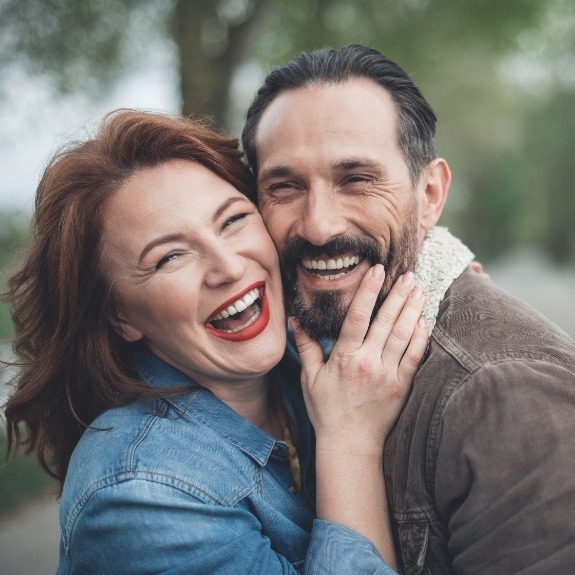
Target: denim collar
{"type": "Point", "coordinates": [202, 405]}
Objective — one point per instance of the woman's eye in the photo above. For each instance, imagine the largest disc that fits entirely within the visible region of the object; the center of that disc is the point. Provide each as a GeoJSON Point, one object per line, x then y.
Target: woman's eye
{"type": "Point", "coordinates": [167, 258]}
{"type": "Point", "coordinates": [234, 219]}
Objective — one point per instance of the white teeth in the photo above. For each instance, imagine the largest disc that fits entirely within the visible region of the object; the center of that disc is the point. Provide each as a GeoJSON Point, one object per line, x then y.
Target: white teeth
{"type": "Point", "coordinates": [239, 305]}
{"type": "Point", "coordinates": [252, 320]}
{"type": "Point", "coordinates": [333, 277]}
{"type": "Point", "coordinates": [331, 264]}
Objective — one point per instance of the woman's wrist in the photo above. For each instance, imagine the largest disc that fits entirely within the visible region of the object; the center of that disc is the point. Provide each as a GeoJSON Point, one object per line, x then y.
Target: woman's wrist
{"type": "Point", "coordinates": [352, 445]}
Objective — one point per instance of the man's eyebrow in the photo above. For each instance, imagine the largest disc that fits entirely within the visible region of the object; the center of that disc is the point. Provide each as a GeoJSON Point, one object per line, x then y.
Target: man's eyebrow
{"type": "Point", "coordinates": [353, 163]}
{"type": "Point", "coordinates": [275, 172]}
{"type": "Point", "coordinates": [179, 236]}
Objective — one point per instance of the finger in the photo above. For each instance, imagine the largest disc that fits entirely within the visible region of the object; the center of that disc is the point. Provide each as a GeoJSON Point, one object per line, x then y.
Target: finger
{"type": "Point", "coordinates": [390, 310]}
{"type": "Point", "coordinates": [310, 352]}
{"type": "Point", "coordinates": [356, 321]}
{"type": "Point", "coordinates": [403, 329]}
{"type": "Point", "coordinates": [478, 269]}
{"type": "Point", "coordinates": [411, 360]}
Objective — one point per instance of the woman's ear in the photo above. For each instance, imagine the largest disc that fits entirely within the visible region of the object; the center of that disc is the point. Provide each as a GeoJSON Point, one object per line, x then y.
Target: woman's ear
{"type": "Point", "coordinates": [125, 329]}
{"type": "Point", "coordinates": [436, 182]}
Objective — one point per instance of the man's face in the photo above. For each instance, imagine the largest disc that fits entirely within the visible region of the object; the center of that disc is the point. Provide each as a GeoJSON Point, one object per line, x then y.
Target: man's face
{"type": "Point", "coordinates": [336, 196]}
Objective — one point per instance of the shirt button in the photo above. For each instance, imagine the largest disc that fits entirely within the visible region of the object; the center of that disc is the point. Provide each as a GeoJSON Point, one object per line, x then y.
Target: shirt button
{"type": "Point", "coordinates": [292, 489]}
{"type": "Point", "coordinates": [276, 448]}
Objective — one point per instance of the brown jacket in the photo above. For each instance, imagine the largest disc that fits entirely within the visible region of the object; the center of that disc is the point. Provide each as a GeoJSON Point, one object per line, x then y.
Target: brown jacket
{"type": "Point", "coordinates": [480, 468]}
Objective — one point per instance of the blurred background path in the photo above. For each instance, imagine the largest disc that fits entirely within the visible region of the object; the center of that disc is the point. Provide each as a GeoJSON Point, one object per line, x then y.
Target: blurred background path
{"type": "Point", "coordinates": [29, 540]}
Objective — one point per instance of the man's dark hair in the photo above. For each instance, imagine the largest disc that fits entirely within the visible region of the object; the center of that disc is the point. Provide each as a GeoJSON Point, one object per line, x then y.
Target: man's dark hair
{"type": "Point", "coordinates": [416, 119]}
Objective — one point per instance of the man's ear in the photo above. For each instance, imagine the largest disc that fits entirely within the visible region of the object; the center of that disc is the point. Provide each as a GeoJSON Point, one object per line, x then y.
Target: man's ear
{"type": "Point", "coordinates": [125, 329]}
{"type": "Point", "coordinates": [436, 180]}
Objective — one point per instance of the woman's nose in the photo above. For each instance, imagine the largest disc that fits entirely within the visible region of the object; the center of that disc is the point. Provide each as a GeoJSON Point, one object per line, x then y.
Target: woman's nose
{"type": "Point", "coordinates": [226, 265]}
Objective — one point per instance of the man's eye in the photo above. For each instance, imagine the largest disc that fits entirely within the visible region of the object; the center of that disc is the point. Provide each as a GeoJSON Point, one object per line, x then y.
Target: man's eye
{"type": "Point", "coordinates": [358, 179]}
{"type": "Point", "coordinates": [167, 258]}
{"type": "Point", "coordinates": [282, 186]}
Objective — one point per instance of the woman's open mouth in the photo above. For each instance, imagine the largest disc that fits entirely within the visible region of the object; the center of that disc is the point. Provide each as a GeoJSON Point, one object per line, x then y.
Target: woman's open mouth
{"type": "Point", "coordinates": [242, 317]}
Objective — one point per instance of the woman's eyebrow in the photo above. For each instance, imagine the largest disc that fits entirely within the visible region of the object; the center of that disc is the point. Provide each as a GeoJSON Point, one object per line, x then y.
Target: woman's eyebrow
{"type": "Point", "coordinates": [179, 236]}
{"type": "Point", "coordinates": [225, 205]}
{"type": "Point", "coordinates": [157, 242]}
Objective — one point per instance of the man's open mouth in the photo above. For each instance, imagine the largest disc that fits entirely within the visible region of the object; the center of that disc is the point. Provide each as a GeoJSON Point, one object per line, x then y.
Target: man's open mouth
{"type": "Point", "coordinates": [332, 268]}
{"type": "Point", "coordinates": [243, 317]}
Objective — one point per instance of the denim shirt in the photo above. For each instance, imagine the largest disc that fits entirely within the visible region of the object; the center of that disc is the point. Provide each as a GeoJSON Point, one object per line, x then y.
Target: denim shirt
{"type": "Point", "coordinates": [187, 485]}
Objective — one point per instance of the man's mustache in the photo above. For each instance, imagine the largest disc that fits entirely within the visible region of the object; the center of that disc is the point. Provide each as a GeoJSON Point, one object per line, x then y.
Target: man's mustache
{"type": "Point", "coordinates": [298, 248]}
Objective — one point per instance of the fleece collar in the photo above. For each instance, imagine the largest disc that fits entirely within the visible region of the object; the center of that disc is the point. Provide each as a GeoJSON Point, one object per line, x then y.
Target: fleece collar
{"type": "Point", "coordinates": [441, 260]}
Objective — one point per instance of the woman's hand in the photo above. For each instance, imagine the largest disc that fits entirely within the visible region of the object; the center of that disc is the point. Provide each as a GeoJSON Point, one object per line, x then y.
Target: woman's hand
{"type": "Point", "coordinates": [355, 397]}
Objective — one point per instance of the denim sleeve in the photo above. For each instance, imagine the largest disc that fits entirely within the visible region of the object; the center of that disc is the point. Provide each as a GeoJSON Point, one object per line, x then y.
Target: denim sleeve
{"type": "Point", "coordinates": [505, 468]}
{"type": "Point", "coordinates": [337, 550]}
{"type": "Point", "coordinates": [141, 527]}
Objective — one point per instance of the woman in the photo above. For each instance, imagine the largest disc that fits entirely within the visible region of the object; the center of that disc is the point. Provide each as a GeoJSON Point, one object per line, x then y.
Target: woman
{"type": "Point", "coordinates": [149, 320]}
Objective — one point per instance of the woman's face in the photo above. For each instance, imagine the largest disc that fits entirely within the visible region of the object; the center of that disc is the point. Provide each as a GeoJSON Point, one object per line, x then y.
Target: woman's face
{"type": "Point", "coordinates": [195, 273]}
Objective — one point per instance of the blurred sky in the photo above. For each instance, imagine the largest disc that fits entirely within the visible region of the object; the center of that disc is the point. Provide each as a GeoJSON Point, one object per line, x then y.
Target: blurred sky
{"type": "Point", "coordinates": [34, 122]}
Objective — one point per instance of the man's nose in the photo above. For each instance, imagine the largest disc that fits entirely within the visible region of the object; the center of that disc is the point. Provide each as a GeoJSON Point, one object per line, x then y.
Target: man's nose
{"type": "Point", "coordinates": [322, 218]}
{"type": "Point", "coordinates": [225, 265]}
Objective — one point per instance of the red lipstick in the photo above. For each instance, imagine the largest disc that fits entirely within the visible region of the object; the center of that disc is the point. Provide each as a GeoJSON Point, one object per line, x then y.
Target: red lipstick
{"type": "Point", "coordinates": [255, 328]}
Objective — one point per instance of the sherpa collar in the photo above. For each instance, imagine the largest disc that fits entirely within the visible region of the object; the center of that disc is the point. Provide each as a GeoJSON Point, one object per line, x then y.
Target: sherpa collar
{"type": "Point", "coordinates": [441, 260]}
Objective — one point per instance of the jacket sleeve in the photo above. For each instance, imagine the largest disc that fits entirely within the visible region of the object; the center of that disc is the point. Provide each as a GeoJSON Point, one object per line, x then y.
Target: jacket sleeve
{"type": "Point", "coordinates": [141, 526]}
{"type": "Point", "coordinates": [337, 550]}
{"type": "Point", "coordinates": [504, 480]}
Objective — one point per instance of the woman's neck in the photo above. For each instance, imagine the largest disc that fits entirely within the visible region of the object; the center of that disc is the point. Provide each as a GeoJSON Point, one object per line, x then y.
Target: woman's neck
{"type": "Point", "coordinates": [255, 401]}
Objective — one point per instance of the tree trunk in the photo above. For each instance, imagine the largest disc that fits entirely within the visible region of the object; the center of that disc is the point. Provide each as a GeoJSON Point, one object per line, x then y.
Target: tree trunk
{"type": "Point", "coordinates": [210, 49]}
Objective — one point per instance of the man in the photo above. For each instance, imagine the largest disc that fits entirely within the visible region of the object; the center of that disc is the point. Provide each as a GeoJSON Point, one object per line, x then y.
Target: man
{"type": "Point", "coordinates": [480, 466]}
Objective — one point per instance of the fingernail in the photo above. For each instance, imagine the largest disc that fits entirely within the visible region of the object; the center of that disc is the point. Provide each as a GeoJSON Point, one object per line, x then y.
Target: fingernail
{"type": "Point", "coordinates": [407, 278]}
{"type": "Point", "coordinates": [377, 272]}
{"type": "Point", "coordinates": [417, 293]}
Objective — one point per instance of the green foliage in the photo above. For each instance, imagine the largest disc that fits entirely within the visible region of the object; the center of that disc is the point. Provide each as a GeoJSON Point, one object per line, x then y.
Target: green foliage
{"type": "Point", "coordinates": [477, 62]}
{"type": "Point", "coordinates": [550, 169]}
{"type": "Point", "coordinates": [77, 44]}
{"type": "Point", "coordinates": [20, 480]}
{"type": "Point", "coordinates": [13, 239]}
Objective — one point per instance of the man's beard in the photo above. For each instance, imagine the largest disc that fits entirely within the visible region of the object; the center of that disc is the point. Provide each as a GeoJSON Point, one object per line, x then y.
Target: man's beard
{"type": "Point", "coordinates": [323, 317]}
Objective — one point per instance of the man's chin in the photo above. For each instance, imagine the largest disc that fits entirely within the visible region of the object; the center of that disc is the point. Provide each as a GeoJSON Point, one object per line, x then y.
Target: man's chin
{"type": "Point", "coordinates": [320, 314]}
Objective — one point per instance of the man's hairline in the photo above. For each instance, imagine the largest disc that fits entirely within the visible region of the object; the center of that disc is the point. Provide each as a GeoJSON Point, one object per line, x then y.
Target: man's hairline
{"type": "Point", "coordinates": [319, 82]}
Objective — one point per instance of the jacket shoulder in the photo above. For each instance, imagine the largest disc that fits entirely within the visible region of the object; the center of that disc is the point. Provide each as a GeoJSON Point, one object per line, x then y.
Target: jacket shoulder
{"type": "Point", "coordinates": [479, 323]}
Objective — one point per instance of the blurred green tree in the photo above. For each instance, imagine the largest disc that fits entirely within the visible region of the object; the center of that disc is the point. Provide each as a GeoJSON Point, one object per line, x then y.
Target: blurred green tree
{"type": "Point", "coordinates": [477, 62]}
{"type": "Point", "coordinates": [14, 227]}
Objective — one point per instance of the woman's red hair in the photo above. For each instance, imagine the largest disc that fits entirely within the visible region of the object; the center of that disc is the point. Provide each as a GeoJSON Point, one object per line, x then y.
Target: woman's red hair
{"type": "Point", "coordinates": [71, 362]}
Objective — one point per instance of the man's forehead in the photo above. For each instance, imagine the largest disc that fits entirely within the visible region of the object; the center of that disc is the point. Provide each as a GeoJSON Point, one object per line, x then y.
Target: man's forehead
{"type": "Point", "coordinates": [321, 106]}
